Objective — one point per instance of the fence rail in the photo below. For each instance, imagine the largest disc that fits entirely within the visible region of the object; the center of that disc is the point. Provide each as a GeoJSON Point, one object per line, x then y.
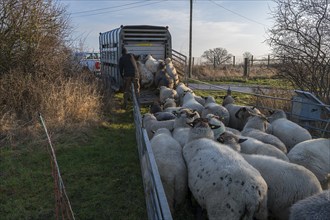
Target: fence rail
{"type": "Point", "coordinates": [156, 202]}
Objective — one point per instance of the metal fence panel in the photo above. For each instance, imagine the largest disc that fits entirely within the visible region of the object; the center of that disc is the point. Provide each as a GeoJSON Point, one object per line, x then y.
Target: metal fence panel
{"type": "Point", "coordinates": [156, 202]}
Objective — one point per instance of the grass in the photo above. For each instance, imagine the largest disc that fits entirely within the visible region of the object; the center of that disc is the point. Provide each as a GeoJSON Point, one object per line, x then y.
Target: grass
{"type": "Point", "coordinates": [100, 169]}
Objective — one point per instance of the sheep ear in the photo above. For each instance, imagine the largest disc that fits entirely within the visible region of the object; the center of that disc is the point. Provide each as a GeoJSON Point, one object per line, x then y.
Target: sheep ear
{"type": "Point", "coordinates": [152, 131]}
{"type": "Point", "coordinates": [241, 140]}
{"type": "Point", "coordinates": [220, 139]}
{"type": "Point", "coordinates": [271, 112]}
{"type": "Point", "coordinates": [191, 124]}
{"type": "Point", "coordinates": [175, 113]}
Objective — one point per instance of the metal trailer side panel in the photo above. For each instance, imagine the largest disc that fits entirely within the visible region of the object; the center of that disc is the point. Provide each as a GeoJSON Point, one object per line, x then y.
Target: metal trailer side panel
{"type": "Point", "coordinates": [138, 39]}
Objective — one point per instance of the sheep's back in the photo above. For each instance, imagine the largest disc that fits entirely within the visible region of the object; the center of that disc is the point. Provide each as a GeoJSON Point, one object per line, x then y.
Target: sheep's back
{"type": "Point", "coordinates": [314, 155]}
{"type": "Point", "coordinates": [217, 173]}
{"type": "Point", "coordinates": [287, 183]}
{"type": "Point", "coordinates": [289, 132]}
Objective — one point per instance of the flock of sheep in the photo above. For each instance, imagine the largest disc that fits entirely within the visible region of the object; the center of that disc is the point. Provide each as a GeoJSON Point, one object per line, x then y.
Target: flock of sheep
{"type": "Point", "coordinates": [234, 161]}
{"type": "Point", "coordinates": [156, 73]}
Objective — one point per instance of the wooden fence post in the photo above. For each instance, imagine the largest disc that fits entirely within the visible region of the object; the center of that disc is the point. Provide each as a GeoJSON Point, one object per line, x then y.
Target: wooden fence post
{"type": "Point", "coordinates": [252, 60]}
{"type": "Point", "coordinates": [246, 67]}
{"type": "Point", "coordinates": [214, 62]}
{"type": "Point", "coordinates": [233, 60]}
{"type": "Point", "coordinates": [268, 61]}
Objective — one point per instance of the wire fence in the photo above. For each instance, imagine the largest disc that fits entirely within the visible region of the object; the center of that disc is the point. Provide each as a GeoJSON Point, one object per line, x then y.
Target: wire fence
{"type": "Point", "coordinates": [63, 208]}
{"type": "Point", "coordinates": [308, 112]}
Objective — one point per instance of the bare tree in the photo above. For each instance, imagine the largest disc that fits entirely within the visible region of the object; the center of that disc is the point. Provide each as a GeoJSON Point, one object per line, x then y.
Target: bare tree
{"type": "Point", "coordinates": [33, 35]}
{"type": "Point", "coordinates": [217, 56]}
{"type": "Point", "coordinates": [247, 55]}
{"type": "Point", "coordinates": [301, 38]}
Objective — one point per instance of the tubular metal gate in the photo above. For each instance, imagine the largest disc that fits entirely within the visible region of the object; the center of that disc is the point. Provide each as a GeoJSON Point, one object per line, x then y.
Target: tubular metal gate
{"type": "Point", "coordinates": [317, 124]}
{"type": "Point", "coordinates": [156, 202]}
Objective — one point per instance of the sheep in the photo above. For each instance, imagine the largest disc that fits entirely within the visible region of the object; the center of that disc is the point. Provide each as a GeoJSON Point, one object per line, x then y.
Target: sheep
{"type": "Point", "coordinates": [190, 102]}
{"type": "Point", "coordinates": [228, 99]}
{"type": "Point", "coordinates": [256, 126]}
{"type": "Point", "coordinates": [169, 102]}
{"type": "Point", "coordinates": [155, 107]}
{"type": "Point", "coordinates": [151, 64]}
{"type": "Point", "coordinates": [165, 92]}
{"type": "Point", "coordinates": [220, 179]}
{"type": "Point", "coordinates": [151, 124]}
{"type": "Point", "coordinates": [162, 78]}
{"type": "Point", "coordinates": [212, 107]}
{"type": "Point", "coordinates": [199, 99]}
{"type": "Point", "coordinates": [217, 125]}
{"type": "Point", "coordinates": [238, 115]}
{"type": "Point", "coordinates": [313, 207]}
{"type": "Point", "coordinates": [171, 167]}
{"type": "Point", "coordinates": [181, 125]}
{"type": "Point", "coordinates": [314, 155]}
{"type": "Point", "coordinates": [146, 77]}
{"type": "Point", "coordinates": [231, 140]}
{"type": "Point", "coordinates": [287, 183]}
{"type": "Point", "coordinates": [172, 109]}
{"type": "Point", "coordinates": [164, 116]}
{"type": "Point", "coordinates": [248, 145]}
{"type": "Point", "coordinates": [181, 89]}
{"type": "Point", "coordinates": [287, 131]}
{"type": "Point", "coordinates": [170, 69]}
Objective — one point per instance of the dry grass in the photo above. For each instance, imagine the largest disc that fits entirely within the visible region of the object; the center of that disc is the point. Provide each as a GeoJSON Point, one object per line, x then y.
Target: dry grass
{"type": "Point", "coordinates": [203, 72]}
{"type": "Point", "coordinates": [64, 102]}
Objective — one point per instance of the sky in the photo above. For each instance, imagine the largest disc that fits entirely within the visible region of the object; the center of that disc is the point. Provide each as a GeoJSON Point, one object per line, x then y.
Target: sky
{"type": "Point", "coordinates": [237, 25]}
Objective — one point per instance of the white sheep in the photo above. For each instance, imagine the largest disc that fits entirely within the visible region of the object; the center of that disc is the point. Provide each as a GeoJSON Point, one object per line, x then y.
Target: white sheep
{"type": "Point", "coordinates": [314, 155]}
{"type": "Point", "coordinates": [315, 207]}
{"type": "Point", "coordinates": [216, 124]}
{"type": "Point", "coordinates": [287, 131]}
{"type": "Point", "coordinates": [146, 76]}
{"type": "Point", "coordinates": [287, 183]}
{"type": "Point", "coordinates": [211, 107]}
{"type": "Point", "coordinates": [254, 146]}
{"type": "Point", "coordinates": [162, 78]}
{"type": "Point", "coordinates": [171, 166]}
{"type": "Point", "coordinates": [181, 88]}
{"type": "Point", "coordinates": [248, 145]}
{"type": "Point", "coordinates": [256, 126]}
{"type": "Point", "coordinates": [165, 92]}
{"type": "Point", "coordinates": [190, 102]}
{"type": "Point", "coordinates": [238, 115]}
{"type": "Point", "coordinates": [164, 116]}
{"type": "Point", "coordinates": [170, 69]}
{"type": "Point", "coordinates": [155, 107]}
{"type": "Point", "coordinates": [169, 102]}
{"type": "Point", "coordinates": [220, 179]}
{"type": "Point", "coordinates": [151, 64]}
{"type": "Point", "coordinates": [151, 124]}
{"type": "Point", "coordinates": [181, 125]}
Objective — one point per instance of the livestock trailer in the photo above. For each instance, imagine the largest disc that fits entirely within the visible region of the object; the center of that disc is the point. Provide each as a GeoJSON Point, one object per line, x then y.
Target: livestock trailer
{"type": "Point", "coordinates": [139, 40]}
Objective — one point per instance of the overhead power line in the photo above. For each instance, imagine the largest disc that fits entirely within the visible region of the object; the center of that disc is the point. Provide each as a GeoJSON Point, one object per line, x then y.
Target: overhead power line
{"type": "Point", "coordinates": [242, 16]}
{"type": "Point", "coordinates": [102, 9]}
{"type": "Point", "coordinates": [99, 13]}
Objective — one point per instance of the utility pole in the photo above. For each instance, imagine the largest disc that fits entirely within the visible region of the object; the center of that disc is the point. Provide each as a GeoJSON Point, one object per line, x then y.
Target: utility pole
{"type": "Point", "coordinates": [190, 40]}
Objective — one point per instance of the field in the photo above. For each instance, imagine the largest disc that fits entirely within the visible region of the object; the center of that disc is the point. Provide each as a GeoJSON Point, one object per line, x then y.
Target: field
{"type": "Point", "coordinates": [99, 166]}
{"type": "Point", "coordinates": [100, 170]}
